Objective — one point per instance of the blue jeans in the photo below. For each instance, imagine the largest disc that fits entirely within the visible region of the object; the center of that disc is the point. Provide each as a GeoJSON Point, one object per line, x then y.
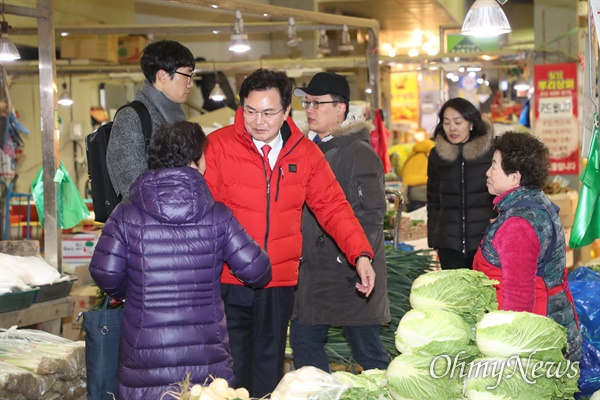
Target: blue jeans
{"type": "Point", "coordinates": [308, 345]}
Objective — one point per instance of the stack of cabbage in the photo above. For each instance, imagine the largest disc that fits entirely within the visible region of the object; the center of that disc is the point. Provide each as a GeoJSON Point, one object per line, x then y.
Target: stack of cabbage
{"type": "Point", "coordinates": [454, 343]}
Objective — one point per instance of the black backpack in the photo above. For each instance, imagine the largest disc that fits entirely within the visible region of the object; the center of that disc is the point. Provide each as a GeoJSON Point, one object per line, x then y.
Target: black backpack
{"type": "Point", "coordinates": [104, 196]}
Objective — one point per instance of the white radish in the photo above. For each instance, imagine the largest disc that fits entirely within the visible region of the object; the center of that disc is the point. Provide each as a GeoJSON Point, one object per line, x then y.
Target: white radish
{"type": "Point", "coordinates": [242, 393]}
{"type": "Point", "coordinates": [195, 392]}
{"type": "Point", "coordinates": [220, 386]}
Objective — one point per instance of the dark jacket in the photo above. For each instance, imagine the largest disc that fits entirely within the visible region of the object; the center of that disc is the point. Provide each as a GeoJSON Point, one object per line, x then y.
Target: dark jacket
{"type": "Point", "coordinates": [459, 206]}
{"type": "Point", "coordinates": [271, 210]}
{"type": "Point", "coordinates": [325, 292]}
{"type": "Point", "coordinates": [163, 252]}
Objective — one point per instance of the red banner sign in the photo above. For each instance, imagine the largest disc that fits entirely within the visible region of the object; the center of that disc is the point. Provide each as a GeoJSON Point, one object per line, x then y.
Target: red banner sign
{"type": "Point", "coordinates": [556, 121]}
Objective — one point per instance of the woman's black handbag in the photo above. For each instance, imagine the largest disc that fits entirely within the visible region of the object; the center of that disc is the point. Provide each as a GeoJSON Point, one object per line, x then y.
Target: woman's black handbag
{"type": "Point", "coordinates": [102, 333]}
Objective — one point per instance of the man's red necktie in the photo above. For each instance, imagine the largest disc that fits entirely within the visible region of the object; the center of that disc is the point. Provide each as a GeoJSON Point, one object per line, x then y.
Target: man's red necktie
{"type": "Point", "coordinates": [266, 149]}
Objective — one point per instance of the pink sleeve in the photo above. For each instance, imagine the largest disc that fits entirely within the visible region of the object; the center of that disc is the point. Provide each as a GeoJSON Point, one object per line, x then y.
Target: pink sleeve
{"type": "Point", "coordinates": [518, 248]}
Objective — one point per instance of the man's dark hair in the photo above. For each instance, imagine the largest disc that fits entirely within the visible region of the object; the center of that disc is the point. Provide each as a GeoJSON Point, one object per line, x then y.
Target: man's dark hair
{"type": "Point", "coordinates": [265, 79]}
{"type": "Point", "coordinates": [469, 113]}
{"type": "Point", "coordinates": [176, 145]}
{"type": "Point", "coordinates": [341, 99]}
{"type": "Point", "coordinates": [167, 55]}
{"type": "Point", "coordinates": [525, 153]}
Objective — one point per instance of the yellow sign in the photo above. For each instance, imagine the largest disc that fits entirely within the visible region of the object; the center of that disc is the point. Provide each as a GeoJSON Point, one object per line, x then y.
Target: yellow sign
{"type": "Point", "coordinates": [404, 96]}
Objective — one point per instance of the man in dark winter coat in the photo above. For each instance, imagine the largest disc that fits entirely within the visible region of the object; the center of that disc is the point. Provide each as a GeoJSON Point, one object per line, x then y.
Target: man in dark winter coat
{"type": "Point", "coordinates": [168, 67]}
{"type": "Point", "coordinates": [325, 294]}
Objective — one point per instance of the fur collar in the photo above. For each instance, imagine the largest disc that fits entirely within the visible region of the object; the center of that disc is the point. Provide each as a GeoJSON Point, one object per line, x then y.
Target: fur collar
{"type": "Point", "coordinates": [352, 124]}
{"type": "Point", "coordinates": [471, 150]}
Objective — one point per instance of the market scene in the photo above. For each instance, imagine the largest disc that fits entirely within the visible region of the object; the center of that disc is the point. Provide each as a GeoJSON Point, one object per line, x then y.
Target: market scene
{"type": "Point", "coordinates": [299, 200]}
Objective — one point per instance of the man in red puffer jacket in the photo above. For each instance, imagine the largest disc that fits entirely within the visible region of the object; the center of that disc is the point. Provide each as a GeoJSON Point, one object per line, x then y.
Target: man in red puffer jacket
{"type": "Point", "coordinates": [266, 193]}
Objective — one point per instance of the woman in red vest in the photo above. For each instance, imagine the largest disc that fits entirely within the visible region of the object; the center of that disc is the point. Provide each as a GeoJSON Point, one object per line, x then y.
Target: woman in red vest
{"type": "Point", "coordinates": [524, 248]}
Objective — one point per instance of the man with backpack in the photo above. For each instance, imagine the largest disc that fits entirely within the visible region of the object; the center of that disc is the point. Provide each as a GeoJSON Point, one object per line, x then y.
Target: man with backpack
{"type": "Point", "coordinates": [168, 67]}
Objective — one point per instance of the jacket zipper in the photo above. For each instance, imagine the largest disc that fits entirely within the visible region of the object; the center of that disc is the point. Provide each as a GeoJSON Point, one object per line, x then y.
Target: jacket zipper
{"type": "Point", "coordinates": [279, 179]}
{"type": "Point", "coordinates": [281, 168]}
{"type": "Point", "coordinates": [360, 195]}
{"type": "Point", "coordinates": [268, 213]}
{"type": "Point", "coordinates": [265, 247]}
{"type": "Point", "coordinates": [462, 206]}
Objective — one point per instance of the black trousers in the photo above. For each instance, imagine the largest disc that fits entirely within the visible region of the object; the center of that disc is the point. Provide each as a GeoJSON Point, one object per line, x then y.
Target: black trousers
{"type": "Point", "coordinates": [452, 259]}
{"type": "Point", "coordinates": [257, 322]}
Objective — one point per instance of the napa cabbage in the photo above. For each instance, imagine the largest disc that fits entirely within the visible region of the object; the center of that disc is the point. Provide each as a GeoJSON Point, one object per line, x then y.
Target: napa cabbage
{"type": "Point", "coordinates": [412, 377]}
{"type": "Point", "coordinates": [465, 292]}
{"type": "Point", "coordinates": [435, 332]}
{"type": "Point", "coordinates": [508, 333]}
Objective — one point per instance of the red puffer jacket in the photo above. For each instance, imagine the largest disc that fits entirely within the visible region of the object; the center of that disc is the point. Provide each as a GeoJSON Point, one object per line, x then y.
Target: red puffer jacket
{"type": "Point", "coordinates": [272, 215]}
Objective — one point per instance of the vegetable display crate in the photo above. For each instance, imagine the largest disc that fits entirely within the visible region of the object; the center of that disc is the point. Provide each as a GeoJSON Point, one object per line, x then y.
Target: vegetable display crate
{"type": "Point", "coordinates": [17, 300]}
{"type": "Point", "coordinates": [54, 291]}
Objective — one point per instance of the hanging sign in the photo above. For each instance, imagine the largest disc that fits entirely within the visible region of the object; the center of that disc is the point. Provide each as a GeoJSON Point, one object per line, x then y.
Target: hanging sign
{"type": "Point", "coordinates": [556, 122]}
{"type": "Point", "coordinates": [404, 91]}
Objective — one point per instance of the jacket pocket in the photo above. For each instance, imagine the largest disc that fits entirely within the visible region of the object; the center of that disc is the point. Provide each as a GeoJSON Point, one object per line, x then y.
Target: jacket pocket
{"type": "Point", "coordinates": [369, 192]}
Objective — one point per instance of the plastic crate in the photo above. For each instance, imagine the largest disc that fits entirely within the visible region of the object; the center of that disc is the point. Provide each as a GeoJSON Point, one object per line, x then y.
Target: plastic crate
{"type": "Point", "coordinates": [54, 291]}
{"type": "Point", "coordinates": [18, 300]}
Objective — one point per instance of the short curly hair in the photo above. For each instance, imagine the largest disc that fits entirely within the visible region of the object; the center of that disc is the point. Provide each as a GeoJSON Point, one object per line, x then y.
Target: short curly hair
{"type": "Point", "coordinates": [176, 145]}
{"type": "Point", "coordinates": [525, 153]}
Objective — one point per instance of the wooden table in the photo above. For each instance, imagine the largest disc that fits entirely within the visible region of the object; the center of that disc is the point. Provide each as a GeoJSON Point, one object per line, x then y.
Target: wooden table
{"type": "Point", "coordinates": [48, 315]}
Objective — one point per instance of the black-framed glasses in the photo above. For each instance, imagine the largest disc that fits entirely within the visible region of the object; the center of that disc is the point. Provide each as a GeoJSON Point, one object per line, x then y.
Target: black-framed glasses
{"type": "Point", "coordinates": [315, 104]}
{"type": "Point", "coordinates": [252, 113]}
{"type": "Point", "coordinates": [189, 76]}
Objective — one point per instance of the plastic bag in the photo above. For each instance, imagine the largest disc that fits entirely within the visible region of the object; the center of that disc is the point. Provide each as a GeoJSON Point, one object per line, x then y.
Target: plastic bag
{"type": "Point", "coordinates": [71, 208]}
{"type": "Point", "coordinates": [309, 383]}
{"type": "Point", "coordinates": [585, 286]}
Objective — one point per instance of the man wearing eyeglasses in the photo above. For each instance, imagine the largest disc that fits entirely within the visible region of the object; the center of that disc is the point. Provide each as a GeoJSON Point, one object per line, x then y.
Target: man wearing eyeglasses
{"type": "Point", "coordinates": [265, 170]}
{"type": "Point", "coordinates": [168, 68]}
{"type": "Point", "coordinates": [323, 296]}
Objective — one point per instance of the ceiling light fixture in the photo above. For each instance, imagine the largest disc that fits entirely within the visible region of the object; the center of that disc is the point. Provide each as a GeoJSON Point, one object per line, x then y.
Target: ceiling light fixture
{"type": "Point", "coordinates": [323, 43]}
{"type": "Point", "coordinates": [521, 84]}
{"type": "Point", "coordinates": [239, 40]}
{"type": "Point", "coordinates": [65, 98]}
{"type": "Point", "coordinates": [217, 94]}
{"type": "Point", "coordinates": [346, 45]}
{"type": "Point", "coordinates": [294, 40]}
{"type": "Point", "coordinates": [486, 18]}
{"type": "Point", "coordinates": [8, 50]}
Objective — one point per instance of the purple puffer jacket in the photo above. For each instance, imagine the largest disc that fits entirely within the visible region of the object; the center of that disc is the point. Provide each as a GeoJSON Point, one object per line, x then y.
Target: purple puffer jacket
{"type": "Point", "coordinates": [163, 251]}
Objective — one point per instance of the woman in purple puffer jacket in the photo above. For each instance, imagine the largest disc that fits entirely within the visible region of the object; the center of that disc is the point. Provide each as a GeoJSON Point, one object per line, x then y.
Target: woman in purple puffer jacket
{"type": "Point", "coordinates": [163, 251]}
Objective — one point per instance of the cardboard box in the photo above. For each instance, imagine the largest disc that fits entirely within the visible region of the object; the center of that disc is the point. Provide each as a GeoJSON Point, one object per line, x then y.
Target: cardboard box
{"type": "Point", "coordinates": [77, 248]}
{"type": "Point", "coordinates": [80, 271]}
{"type": "Point", "coordinates": [130, 48]}
{"type": "Point", "coordinates": [90, 47]}
{"type": "Point", "coordinates": [84, 298]}
{"type": "Point", "coordinates": [567, 202]}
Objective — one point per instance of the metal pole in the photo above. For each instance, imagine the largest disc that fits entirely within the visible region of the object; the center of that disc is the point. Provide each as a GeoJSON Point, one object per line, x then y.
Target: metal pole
{"type": "Point", "coordinates": [49, 129]}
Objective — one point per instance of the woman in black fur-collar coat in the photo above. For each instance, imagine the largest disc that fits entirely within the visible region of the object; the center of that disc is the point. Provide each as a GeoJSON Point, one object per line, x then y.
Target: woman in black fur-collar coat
{"type": "Point", "coordinates": [459, 206]}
